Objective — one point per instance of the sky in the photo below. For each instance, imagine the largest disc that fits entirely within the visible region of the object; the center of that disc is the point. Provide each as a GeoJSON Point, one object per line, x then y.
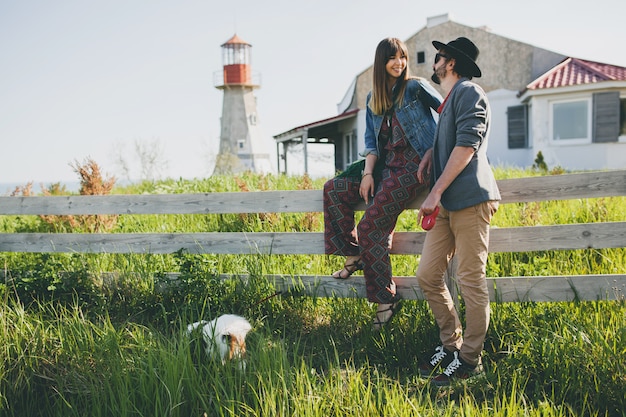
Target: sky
{"type": "Point", "coordinates": [113, 80]}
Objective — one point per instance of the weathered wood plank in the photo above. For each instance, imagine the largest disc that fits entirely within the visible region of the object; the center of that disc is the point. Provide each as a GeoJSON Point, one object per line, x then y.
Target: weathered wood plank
{"type": "Point", "coordinates": [533, 238]}
{"type": "Point", "coordinates": [510, 289]}
{"type": "Point", "coordinates": [517, 239]}
{"type": "Point", "coordinates": [564, 187]}
{"type": "Point", "coordinates": [559, 288]}
{"type": "Point", "coordinates": [164, 243]}
{"type": "Point", "coordinates": [558, 237]}
{"type": "Point", "coordinates": [555, 187]}
{"type": "Point", "coordinates": [207, 203]}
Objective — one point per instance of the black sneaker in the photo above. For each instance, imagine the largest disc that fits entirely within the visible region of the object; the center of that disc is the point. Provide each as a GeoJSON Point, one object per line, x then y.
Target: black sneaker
{"type": "Point", "coordinates": [437, 356]}
{"type": "Point", "coordinates": [457, 369]}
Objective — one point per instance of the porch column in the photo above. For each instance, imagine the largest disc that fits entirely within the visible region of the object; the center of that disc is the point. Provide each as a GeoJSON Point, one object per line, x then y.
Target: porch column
{"type": "Point", "coordinates": [305, 141]}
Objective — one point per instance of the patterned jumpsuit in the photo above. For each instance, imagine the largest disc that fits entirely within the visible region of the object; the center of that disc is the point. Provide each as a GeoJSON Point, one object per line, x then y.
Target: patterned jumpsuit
{"type": "Point", "coordinates": [395, 188]}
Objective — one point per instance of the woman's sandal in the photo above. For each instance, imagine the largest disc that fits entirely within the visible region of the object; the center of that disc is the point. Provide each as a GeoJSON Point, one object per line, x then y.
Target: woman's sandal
{"type": "Point", "coordinates": [349, 269]}
{"type": "Point", "coordinates": [380, 323]}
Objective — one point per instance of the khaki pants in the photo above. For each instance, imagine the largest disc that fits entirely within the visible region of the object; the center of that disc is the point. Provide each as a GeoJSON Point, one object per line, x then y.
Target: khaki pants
{"type": "Point", "coordinates": [464, 234]}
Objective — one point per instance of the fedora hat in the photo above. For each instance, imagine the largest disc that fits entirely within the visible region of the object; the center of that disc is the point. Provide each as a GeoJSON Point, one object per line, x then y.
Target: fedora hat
{"type": "Point", "coordinates": [464, 51]}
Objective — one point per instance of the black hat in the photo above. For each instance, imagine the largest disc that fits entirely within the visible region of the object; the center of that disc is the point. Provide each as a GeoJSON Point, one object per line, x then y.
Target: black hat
{"type": "Point", "coordinates": [464, 51]}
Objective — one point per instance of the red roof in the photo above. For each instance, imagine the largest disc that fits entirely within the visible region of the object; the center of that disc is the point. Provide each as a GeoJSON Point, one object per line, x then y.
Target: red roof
{"type": "Point", "coordinates": [235, 40]}
{"type": "Point", "coordinates": [574, 71]}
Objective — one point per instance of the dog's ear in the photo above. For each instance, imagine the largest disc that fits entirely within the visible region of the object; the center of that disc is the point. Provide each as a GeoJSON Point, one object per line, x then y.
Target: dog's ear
{"type": "Point", "coordinates": [236, 347]}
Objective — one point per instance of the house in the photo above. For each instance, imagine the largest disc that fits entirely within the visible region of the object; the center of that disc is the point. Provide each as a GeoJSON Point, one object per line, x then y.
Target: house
{"type": "Point", "coordinates": [574, 114]}
{"type": "Point", "coordinates": [572, 110]}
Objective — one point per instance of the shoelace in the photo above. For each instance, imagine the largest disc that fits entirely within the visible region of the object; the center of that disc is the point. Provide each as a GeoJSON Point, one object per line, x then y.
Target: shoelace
{"type": "Point", "coordinates": [437, 356]}
{"type": "Point", "coordinates": [453, 366]}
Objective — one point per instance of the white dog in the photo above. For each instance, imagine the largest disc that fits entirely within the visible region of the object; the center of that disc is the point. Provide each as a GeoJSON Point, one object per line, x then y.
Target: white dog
{"type": "Point", "coordinates": [224, 336]}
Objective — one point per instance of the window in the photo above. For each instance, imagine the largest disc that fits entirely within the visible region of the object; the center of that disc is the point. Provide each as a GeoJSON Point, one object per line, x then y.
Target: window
{"type": "Point", "coordinates": [570, 120]}
{"type": "Point", "coordinates": [421, 57]}
{"type": "Point", "coordinates": [350, 148]}
{"type": "Point", "coordinates": [599, 118]}
{"type": "Point", "coordinates": [355, 146]}
{"type": "Point", "coordinates": [241, 143]}
{"type": "Point", "coordinates": [517, 117]}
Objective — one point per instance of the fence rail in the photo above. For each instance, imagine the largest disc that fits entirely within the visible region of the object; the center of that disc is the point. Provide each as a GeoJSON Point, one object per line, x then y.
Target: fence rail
{"type": "Point", "coordinates": [517, 239]}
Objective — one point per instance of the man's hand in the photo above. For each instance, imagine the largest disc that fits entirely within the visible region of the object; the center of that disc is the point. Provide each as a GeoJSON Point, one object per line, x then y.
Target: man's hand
{"type": "Point", "coordinates": [423, 171]}
{"type": "Point", "coordinates": [430, 204]}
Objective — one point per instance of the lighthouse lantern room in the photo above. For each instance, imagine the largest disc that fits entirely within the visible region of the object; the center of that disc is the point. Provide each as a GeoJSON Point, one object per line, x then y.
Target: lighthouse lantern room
{"type": "Point", "coordinates": [236, 58]}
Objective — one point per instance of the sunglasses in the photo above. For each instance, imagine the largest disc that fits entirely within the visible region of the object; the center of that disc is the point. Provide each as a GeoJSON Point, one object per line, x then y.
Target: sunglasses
{"type": "Point", "coordinates": [438, 56]}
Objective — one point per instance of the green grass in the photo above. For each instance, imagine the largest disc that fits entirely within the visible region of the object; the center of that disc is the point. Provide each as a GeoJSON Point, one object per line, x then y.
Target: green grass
{"type": "Point", "coordinates": [76, 342]}
{"type": "Point", "coordinates": [310, 357]}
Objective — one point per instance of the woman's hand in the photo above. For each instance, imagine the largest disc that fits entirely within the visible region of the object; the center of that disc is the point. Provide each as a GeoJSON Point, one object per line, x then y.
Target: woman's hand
{"type": "Point", "coordinates": [366, 190]}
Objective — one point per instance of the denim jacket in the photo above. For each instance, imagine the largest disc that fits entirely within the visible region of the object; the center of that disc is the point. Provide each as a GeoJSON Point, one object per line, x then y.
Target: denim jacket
{"type": "Point", "coordinates": [414, 116]}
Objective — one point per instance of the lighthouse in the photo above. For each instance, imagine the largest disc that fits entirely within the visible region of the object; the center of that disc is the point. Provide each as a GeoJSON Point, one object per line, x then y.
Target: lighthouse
{"type": "Point", "coordinates": [242, 145]}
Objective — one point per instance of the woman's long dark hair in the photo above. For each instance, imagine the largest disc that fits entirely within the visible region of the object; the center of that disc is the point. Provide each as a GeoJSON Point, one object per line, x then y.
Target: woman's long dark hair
{"type": "Point", "coordinates": [382, 99]}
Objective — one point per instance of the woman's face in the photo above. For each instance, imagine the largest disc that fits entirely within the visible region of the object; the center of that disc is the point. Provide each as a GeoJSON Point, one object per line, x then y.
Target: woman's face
{"type": "Point", "coordinates": [396, 65]}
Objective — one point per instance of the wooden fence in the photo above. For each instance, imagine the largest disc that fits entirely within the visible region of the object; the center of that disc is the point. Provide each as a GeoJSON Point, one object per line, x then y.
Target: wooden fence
{"type": "Point", "coordinates": [518, 239]}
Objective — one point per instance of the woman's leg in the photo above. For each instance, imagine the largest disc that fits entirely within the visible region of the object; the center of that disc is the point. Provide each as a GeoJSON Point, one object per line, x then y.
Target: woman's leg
{"type": "Point", "coordinates": [396, 191]}
{"type": "Point", "coordinates": [340, 197]}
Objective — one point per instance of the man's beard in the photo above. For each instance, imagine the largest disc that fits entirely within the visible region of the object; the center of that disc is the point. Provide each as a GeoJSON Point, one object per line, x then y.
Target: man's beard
{"type": "Point", "coordinates": [438, 74]}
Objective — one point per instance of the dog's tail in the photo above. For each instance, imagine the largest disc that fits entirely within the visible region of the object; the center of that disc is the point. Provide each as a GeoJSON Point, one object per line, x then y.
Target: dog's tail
{"type": "Point", "coordinates": [192, 327]}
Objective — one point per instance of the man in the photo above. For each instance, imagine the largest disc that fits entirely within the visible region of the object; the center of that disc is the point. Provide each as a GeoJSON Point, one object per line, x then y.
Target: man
{"type": "Point", "coordinates": [464, 187]}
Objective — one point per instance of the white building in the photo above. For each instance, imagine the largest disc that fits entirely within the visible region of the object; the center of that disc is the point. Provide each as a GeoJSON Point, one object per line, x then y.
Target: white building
{"type": "Point", "coordinates": [571, 110]}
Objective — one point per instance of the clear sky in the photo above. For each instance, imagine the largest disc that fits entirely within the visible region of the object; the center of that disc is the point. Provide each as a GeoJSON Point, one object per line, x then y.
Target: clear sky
{"type": "Point", "coordinates": [95, 79]}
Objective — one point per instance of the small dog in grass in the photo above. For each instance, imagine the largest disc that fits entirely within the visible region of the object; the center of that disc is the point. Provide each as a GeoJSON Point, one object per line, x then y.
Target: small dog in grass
{"type": "Point", "coordinates": [224, 337]}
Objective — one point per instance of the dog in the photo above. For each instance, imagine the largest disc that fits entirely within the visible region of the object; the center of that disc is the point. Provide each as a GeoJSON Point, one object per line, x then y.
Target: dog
{"type": "Point", "coordinates": [224, 337]}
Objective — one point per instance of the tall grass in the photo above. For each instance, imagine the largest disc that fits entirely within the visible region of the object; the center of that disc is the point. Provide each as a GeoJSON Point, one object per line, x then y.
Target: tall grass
{"type": "Point", "coordinates": [77, 341]}
{"type": "Point", "coordinates": [559, 359]}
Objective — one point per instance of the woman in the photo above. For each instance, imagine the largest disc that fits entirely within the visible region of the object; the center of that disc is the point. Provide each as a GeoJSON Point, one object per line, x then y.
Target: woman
{"type": "Point", "coordinates": [398, 146]}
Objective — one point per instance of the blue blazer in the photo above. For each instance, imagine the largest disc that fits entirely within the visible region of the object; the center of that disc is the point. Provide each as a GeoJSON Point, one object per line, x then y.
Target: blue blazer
{"type": "Point", "coordinates": [464, 121]}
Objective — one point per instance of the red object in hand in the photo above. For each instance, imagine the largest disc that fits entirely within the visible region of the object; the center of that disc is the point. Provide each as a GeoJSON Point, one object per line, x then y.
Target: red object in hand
{"type": "Point", "coordinates": [428, 221]}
